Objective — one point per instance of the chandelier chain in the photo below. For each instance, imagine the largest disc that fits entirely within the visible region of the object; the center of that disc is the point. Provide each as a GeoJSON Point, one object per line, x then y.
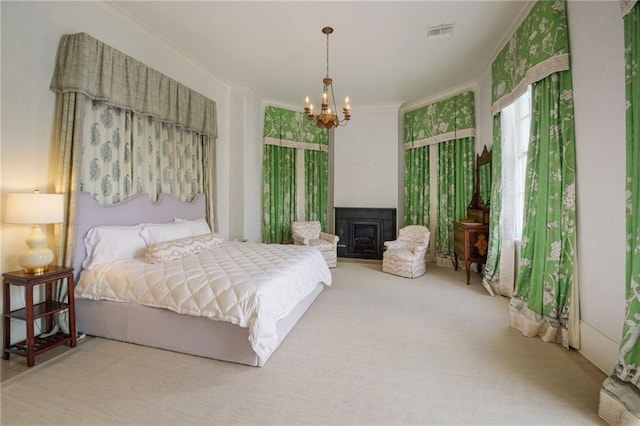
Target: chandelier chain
{"type": "Point", "coordinates": [327, 55]}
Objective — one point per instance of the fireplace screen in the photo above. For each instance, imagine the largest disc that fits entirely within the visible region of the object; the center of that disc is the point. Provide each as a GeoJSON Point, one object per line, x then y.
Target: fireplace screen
{"type": "Point", "coordinates": [365, 238]}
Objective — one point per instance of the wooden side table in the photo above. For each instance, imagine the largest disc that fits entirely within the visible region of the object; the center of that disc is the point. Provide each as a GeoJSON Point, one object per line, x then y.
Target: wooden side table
{"type": "Point", "coordinates": [471, 241]}
{"type": "Point", "coordinates": [36, 345]}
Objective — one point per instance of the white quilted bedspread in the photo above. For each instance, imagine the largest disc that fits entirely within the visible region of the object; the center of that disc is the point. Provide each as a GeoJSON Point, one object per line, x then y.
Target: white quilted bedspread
{"type": "Point", "coordinates": [250, 285]}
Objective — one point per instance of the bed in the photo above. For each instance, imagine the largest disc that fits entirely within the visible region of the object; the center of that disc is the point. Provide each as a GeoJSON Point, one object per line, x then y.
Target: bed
{"type": "Point", "coordinates": [271, 285]}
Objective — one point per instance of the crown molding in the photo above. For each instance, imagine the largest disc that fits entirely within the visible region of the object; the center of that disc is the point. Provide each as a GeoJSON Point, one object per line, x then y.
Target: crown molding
{"type": "Point", "coordinates": [470, 86]}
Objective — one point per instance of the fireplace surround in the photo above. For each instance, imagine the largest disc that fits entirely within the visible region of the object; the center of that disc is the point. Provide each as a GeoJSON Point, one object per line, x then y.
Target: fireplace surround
{"type": "Point", "coordinates": [363, 231]}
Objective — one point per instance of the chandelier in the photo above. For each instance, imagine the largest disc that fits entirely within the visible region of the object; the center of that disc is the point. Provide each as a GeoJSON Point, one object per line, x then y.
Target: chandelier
{"type": "Point", "coordinates": [328, 117]}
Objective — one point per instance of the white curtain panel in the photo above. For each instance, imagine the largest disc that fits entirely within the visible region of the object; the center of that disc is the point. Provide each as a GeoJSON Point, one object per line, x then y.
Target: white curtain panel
{"type": "Point", "coordinates": [507, 217]}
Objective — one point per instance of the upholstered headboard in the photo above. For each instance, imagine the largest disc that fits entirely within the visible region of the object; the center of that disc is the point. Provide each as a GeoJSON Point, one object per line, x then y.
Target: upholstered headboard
{"type": "Point", "coordinates": [139, 209]}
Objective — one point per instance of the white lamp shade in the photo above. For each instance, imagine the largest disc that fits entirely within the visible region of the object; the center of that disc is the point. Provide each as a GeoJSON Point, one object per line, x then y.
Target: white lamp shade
{"type": "Point", "coordinates": [33, 208]}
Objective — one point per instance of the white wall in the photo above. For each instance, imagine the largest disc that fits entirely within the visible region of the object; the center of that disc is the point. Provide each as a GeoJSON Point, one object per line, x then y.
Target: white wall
{"type": "Point", "coordinates": [484, 119]}
{"type": "Point", "coordinates": [245, 200]}
{"type": "Point", "coordinates": [597, 60]}
{"type": "Point", "coordinates": [366, 159]}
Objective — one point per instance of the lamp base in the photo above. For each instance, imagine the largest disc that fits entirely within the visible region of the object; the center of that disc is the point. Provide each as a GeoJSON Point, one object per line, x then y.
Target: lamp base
{"type": "Point", "coordinates": [36, 259]}
{"type": "Point", "coordinates": [35, 271]}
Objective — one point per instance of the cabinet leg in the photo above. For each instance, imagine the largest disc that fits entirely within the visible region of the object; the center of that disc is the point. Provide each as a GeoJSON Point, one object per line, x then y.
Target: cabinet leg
{"type": "Point", "coordinates": [468, 265]}
{"type": "Point", "coordinates": [455, 261]}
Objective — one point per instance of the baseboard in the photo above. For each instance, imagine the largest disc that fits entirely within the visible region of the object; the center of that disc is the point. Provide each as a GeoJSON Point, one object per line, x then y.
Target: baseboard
{"type": "Point", "coordinates": [599, 349]}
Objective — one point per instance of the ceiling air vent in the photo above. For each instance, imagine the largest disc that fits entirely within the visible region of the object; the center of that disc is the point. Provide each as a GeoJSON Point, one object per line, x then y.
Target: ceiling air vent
{"type": "Point", "coordinates": [440, 31]}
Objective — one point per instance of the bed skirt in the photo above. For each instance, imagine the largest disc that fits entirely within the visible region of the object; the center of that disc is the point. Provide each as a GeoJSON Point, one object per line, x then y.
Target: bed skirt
{"type": "Point", "coordinates": [161, 328]}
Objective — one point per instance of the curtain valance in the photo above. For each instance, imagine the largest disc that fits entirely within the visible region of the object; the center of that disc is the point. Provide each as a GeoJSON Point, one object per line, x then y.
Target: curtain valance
{"type": "Point", "coordinates": [626, 6]}
{"type": "Point", "coordinates": [539, 48]}
{"type": "Point", "coordinates": [88, 66]}
{"type": "Point", "coordinates": [292, 129]}
{"type": "Point", "coordinates": [445, 120]}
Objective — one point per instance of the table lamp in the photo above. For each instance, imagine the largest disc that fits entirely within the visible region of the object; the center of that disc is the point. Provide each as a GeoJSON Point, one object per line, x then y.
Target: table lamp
{"type": "Point", "coordinates": [35, 209]}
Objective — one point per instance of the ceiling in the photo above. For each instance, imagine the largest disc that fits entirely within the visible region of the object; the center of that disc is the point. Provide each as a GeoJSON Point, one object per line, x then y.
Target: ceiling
{"type": "Point", "coordinates": [378, 53]}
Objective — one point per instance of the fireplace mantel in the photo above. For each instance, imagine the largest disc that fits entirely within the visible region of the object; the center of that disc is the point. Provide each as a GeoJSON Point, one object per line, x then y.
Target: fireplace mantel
{"type": "Point", "coordinates": [363, 231]}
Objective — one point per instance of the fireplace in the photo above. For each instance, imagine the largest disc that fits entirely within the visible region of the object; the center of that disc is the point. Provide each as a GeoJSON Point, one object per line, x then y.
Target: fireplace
{"type": "Point", "coordinates": [363, 231]}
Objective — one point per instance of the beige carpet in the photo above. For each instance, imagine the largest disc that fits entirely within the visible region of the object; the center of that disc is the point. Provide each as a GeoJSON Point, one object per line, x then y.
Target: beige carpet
{"type": "Point", "coordinates": [373, 349]}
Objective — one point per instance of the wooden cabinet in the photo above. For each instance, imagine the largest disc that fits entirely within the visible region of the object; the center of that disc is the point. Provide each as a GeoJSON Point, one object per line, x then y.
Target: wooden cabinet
{"type": "Point", "coordinates": [471, 241]}
{"type": "Point", "coordinates": [35, 345]}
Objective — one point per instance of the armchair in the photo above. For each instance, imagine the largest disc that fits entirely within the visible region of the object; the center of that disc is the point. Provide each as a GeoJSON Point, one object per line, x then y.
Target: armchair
{"type": "Point", "coordinates": [310, 234]}
{"type": "Point", "coordinates": [406, 255]}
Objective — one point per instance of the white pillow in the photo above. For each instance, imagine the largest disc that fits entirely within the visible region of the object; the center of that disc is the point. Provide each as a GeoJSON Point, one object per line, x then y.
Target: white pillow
{"type": "Point", "coordinates": [154, 233]}
{"type": "Point", "coordinates": [197, 226]}
{"type": "Point", "coordinates": [106, 243]}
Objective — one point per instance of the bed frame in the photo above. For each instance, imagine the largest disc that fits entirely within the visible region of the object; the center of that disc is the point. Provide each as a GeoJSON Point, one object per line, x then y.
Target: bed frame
{"type": "Point", "coordinates": [158, 327]}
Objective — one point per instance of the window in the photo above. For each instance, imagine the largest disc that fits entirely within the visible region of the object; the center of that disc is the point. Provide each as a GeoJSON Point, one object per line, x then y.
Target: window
{"type": "Point", "coordinates": [516, 125]}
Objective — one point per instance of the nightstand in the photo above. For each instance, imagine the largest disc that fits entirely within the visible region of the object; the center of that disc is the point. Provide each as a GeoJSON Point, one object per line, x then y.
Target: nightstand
{"type": "Point", "coordinates": [471, 242]}
{"type": "Point", "coordinates": [36, 345]}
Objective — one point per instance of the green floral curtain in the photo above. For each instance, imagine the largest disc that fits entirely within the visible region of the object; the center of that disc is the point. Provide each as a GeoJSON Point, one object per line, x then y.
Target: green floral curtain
{"type": "Point", "coordinates": [451, 124]}
{"type": "Point", "coordinates": [286, 131]}
{"type": "Point", "coordinates": [485, 184]}
{"type": "Point", "coordinates": [492, 267]}
{"type": "Point", "coordinates": [620, 394]}
{"type": "Point", "coordinates": [455, 189]}
{"type": "Point", "coordinates": [445, 120]}
{"type": "Point", "coordinates": [538, 54]}
{"type": "Point", "coordinates": [417, 190]}
{"type": "Point", "coordinates": [543, 293]}
{"type": "Point", "coordinates": [279, 193]}
{"type": "Point", "coordinates": [316, 165]}
{"type": "Point", "coordinates": [539, 48]}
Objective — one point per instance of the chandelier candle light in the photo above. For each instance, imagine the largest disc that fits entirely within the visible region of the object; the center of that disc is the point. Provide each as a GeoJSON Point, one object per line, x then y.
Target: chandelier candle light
{"type": "Point", "coordinates": [328, 118]}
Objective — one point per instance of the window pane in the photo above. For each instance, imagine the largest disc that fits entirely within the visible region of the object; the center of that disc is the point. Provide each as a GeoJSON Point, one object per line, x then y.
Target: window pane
{"type": "Point", "coordinates": [522, 125]}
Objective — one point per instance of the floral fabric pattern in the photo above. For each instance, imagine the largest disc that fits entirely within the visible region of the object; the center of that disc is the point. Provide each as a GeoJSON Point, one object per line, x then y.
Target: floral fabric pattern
{"type": "Point", "coordinates": [285, 131]}
{"type": "Point", "coordinates": [445, 120]}
{"type": "Point", "coordinates": [455, 189]}
{"type": "Point", "coordinates": [316, 168]}
{"type": "Point", "coordinates": [405, 256]}
{"type": "Point", "coordinates": [279, 193]}
{"type": "Point", "coordinates": [177, 249]}
{"type": "Point", "coordinates": [538, 48]}
{"type": "Point", "coordinates": [309, 234]}
{"type": "Point", "coordinates": [417, 191]}
{"type": "Point", "coordinates": [441, 121]}
{"type": "Point", "coordinates": [127, 154]}
{"type": "Point", "coordinates": [544, 284]}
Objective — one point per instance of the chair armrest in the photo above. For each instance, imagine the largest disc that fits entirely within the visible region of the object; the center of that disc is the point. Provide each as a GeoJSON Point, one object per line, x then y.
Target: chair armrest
{"type": "Point", "coordinates": [395, 245]}
{"type": "Point", "coordinates": [333, 239]}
